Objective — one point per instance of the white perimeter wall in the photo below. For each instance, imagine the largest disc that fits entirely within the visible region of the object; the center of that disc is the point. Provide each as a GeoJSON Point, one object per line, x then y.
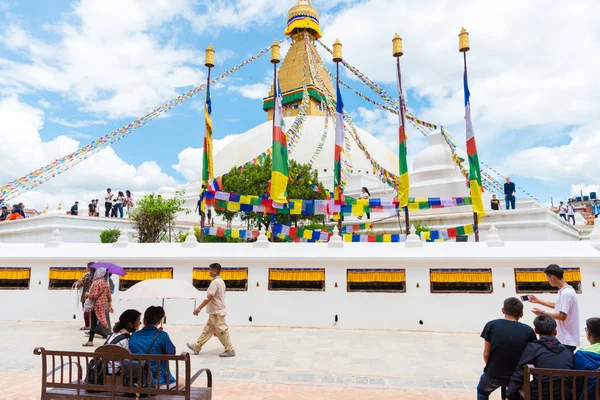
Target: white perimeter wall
{"type": "Point", "coordinates": [438, 312]}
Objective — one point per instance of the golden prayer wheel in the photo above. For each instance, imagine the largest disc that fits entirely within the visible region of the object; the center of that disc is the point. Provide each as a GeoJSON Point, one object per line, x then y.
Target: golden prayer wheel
{"type": "Point", "coordinates": [463, 41]}
{"type": "Point", "coordinates": [397, 45]}
{"type": "Point", "coordinates": [337, 51]}
{"type": "Point", "coordinates": [275, 53]}
{"type": "Point", "coordinates": [210, 57]}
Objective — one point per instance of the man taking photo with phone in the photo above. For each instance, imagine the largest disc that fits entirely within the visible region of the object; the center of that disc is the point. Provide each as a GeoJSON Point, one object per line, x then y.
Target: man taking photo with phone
{"type": "Point", "coordinates": [566, 308]}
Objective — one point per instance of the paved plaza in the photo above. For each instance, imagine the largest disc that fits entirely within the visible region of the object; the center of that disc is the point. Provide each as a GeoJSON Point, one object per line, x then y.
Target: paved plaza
{"type": "Point", "coordinates": [283, 363]}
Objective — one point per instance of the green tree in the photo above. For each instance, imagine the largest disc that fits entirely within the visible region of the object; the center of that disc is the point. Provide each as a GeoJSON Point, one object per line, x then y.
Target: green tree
{"type": "Point", "coordinates": [153, 216]}
{"type": "Point", "coordinates": [110, 235]}
{"type": "Point", "coordinates": [253, 180]}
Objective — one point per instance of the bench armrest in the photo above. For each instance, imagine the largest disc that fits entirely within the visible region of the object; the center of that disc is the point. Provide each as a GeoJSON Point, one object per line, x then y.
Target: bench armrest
{"type": "Point", "coordinates": [208, 377]}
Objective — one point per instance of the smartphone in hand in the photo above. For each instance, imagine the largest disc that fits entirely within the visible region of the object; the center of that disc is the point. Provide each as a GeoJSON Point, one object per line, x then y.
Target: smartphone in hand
{"type": "Point", "coordinates": [525, 298]}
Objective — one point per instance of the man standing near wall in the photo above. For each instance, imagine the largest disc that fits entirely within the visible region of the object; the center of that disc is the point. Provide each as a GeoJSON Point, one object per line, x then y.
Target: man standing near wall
{"type": "Point", "coordinates": [566, 308]}
{"type": "Point", "coordinates": [215, 307]}
{"type": "Point", "coordinates": [509, 194]}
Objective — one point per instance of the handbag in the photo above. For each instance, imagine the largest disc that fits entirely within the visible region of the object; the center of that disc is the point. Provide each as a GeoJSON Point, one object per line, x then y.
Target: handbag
{"type": "Point", "coordinates": [95, 368]}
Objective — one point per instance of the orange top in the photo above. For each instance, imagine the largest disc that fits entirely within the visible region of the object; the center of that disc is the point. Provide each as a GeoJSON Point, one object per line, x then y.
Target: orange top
{"type": "Point", "coordinates": [14, 216]}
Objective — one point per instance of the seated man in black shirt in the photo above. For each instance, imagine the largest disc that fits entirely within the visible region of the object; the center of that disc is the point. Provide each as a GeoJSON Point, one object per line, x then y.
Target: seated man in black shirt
{"type": "Point", "coordinates": [495, 202]}
{"type": "Point", "coordinates": [546, 352]}
{"type": "Point", "coordinates": [505, 340]}
{"type": "Point", "coordinates": [92, 209]}
{"type": "Point", "coordinates": [75, 208]}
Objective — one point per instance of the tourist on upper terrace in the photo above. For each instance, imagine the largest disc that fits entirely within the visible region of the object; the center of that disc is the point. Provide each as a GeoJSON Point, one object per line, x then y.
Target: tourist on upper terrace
{"type": "Point", "coordinates": [92, 209]}
{"type": "Point", "coordinates": [495, 203]}
{"type": "Point", "coordinates": [75, 208]}
{"type": "Point", "coordinates": [570, 212]}
{"type": "Point", "coordinates": [4, 214]}
{"type": "Point", "coordinates": [364, 194]}
{"type": "Point", "coordinates": [505, 340]}
{"type": "Point", "coordinates": [596, 209]}
{"type": "Point", "coordinates": [566, 308]}
{"type": "Point", "coordinates": [153, 340]}
{"type": "Point", "coordinates": [108, 199]}
{"type": "Point", "coordinates": [97, 302]}
{"type": "Point", "coordinates": [588, 358]}
{"type": "Point", "coordinates": [15, 214]}
{"type": "Point", "coordinates": [509, 194]}
{"type": "Point", "coordinates": [22, 210]}
{"type": "Point", "coordinates": [562, 211]}
{"type": "Point", "coordinates": [215, 307]}
{"type": "Point", "coordinates": [546, 352]}
{"type": "Point", "coordinates": [84, 284]}
{"type": "Point", "coordinates": [129, 201]}
{"type": "Point", "coordinates": [119, 203]}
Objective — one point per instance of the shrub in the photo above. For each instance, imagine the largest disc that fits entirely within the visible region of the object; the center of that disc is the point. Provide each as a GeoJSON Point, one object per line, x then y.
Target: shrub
{"type": "Point", "coordinates": [110, 235]}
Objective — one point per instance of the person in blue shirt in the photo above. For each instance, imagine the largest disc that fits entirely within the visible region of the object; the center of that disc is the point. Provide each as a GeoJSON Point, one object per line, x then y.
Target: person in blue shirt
{"type": "Point", "coordinates": [596, 209]}
{"type": "Point", "coordinates": [141, 340]}
{"type": "Point", "coordinates": [588, 358]}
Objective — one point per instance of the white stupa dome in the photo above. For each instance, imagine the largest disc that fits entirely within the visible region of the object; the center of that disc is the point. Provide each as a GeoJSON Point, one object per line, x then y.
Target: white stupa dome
{"type": "Point", "coordinates": [255, 141]}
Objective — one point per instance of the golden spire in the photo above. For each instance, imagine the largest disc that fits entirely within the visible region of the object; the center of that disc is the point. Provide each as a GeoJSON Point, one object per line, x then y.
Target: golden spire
{"type": "Point", "coordinates": [303, 16]}
{"type": "Point", "coordinates": [463, 41]}
{"type": "Point", "coordinates": [59, 205]}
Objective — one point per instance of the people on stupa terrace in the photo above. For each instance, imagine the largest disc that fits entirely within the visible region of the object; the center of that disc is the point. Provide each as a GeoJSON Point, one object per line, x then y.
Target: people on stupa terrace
{"type": "Point", "coordinates": [509, 194]}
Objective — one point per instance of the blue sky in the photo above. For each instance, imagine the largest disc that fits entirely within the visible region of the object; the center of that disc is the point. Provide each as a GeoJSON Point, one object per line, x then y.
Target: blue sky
{"type": "Point", "coordinates": [71, 71]}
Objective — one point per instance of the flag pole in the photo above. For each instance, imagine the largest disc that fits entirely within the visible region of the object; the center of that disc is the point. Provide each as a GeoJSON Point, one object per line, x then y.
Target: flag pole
{"type": "Point", "coordinates": [209, 62]}
{"type": "Point", "coordinates": [337, 57]}
{"type": "Point", "coordinates": [475, 218]}
{"type": "Point", "coordinates": [275, 59]}
{"type": "Point", "coordinates": [398, 52]}
{"type": "Point", "coordinates": [463, 47]}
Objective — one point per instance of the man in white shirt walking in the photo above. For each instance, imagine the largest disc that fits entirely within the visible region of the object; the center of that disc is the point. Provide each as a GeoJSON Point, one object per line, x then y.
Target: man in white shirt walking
{"type": "Point", "coordinates": [215, 307]}
{"type": "Point", "coordinates": [566, 308]}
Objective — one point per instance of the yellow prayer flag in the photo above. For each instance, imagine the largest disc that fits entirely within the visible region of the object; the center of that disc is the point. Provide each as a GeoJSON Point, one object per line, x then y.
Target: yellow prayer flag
{"type": "Point", "coordinates": [295, 207]}
{"type": "Point", "coordinates": [426, 235]}
{"type": "Point", "coordinates": [235, 233]}
{"type": "Point", "coordinates": [387, 237]}
{"type": "Point", "coordinates": [307, 234]}
{"type": "Point", "coordinates": [233, 206]}
{"type": "Point", "coordinates": [469, 229]}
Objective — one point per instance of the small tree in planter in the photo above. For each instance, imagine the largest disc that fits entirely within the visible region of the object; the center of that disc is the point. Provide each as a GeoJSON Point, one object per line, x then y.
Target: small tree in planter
{"type": "Point", "coordinates": [154, 215]}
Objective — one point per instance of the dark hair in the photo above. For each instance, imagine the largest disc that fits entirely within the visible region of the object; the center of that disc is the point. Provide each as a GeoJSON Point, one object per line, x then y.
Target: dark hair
{"type": "Point", "coordinates": [554, 270]}
{"type": "Point", "coordinates": [91, 263]}
{"type": "Point", "coordinates": [544, 325]}
{"type": "Point", "coordinates": [109, 189]}
{"type": "Point", "coordinates": [128, 192]}
{"type": "Point", "coordinates": [153, 315]}
{"type": "Point", "coordinates": [121, 194]}
{"type": "Point", "coordinates": [593, 327]}
{"type": "Point", "coordinates": [125, 318]}
{"type": "Point", "coordinates": [366, 190]}
{"type": "Point", "coordinates": [216, 266]}
{"type": "Point", "coordinates": [513, 307]}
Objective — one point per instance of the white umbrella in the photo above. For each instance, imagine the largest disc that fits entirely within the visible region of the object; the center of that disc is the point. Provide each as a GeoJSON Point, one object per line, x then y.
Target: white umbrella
{"type": "Point", "coordinates": [161, 289]}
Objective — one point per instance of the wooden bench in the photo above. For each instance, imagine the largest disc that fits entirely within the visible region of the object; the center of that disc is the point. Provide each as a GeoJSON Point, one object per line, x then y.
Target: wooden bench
{"type": "Point", "coordinates": [568, 389]}
{"type": "Point", "coordinates": [66, 379]}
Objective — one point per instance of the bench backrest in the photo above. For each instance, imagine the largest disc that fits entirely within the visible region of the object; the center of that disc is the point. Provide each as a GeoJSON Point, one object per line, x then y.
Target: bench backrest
{"type": "Point", "coordinates": [67, 370]}
{"type": "Point", "coordinates": [568, 379]}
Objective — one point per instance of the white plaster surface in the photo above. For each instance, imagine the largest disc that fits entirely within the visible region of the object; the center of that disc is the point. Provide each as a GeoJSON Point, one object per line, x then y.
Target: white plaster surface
{"type": "Point", "coordinates": [404, 311]}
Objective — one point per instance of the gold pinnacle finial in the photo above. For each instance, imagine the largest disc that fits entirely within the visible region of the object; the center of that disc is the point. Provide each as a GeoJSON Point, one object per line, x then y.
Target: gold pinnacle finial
{"type": "Point", "coordinates": [463, 41]}
{"type": "Point", "coordinates": [210, 57]}
{"type": "Point", "coordinates": [59, 205]}
{"type": "Point", "coordinates": [397, 46]}
{"type": "Point", "coordinates": [275, 56]}
{"type": "Point", "coordinates": [337, 51]}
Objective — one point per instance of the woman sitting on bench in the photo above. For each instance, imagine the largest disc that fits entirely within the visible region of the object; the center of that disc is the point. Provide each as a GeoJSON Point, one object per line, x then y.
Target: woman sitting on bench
{"type": "Point", "coordinates": [128, 323]}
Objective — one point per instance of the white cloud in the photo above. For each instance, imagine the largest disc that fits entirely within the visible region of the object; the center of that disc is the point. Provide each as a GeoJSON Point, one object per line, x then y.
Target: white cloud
{"type": "Point", "coordinates": [572, 162]}
{"type": "Point", "coordinates": [109, 57]}
{"type": "Point", "coordinates": [255, 91]}
{"type": "Point", "coordinates": [76, 124]}
{"type": "Point", "coordinates": [585, 189]}
{"type": "Point", "coordinates": [190, 159]}
{"type": "Point", "coordinates": [522, 70]}
{"type": "Point", "coordinates": [44, 103]}
{"type": "Point", "coordinates": [24, 152]}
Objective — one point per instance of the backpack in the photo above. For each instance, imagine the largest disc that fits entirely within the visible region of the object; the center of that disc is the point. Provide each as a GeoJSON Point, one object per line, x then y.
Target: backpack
{"type": "Point", "coordinates": [95, 368]}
